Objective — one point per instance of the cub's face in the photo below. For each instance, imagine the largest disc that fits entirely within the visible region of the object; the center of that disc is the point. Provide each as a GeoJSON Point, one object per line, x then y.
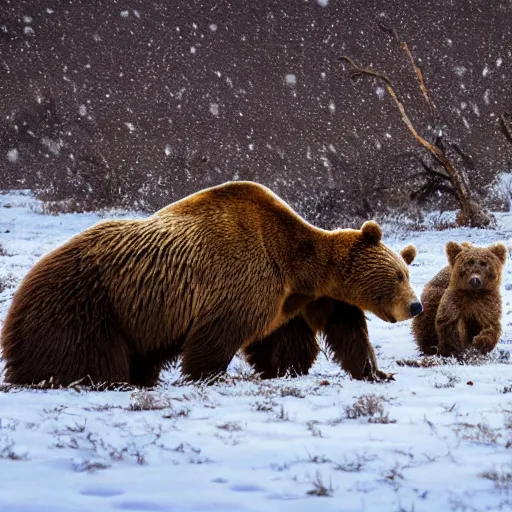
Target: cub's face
{"type": "Point", "coordinates": [476, 269]}
{"type": "Point", "coordinates": [378, 278]}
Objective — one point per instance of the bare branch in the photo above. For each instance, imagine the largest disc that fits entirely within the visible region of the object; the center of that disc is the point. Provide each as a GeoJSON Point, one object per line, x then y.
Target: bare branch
{"type": "Point", "coordinates": [391, 32]}
{"type": "Point", "coordinates": [506, 126]}
{"type": "Point", "coordinates": [432, 171]}
{"type": "Point", "coordinates": [419, 75]}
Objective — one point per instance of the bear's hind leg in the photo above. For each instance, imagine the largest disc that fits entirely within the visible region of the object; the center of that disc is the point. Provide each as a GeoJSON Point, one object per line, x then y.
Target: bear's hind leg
{"type": "Point", "coordinates": [291, 349]}
{"type": "Point", "coordinates": [65, 358]}
{"type": "Point", "coordinates": [346, 334]}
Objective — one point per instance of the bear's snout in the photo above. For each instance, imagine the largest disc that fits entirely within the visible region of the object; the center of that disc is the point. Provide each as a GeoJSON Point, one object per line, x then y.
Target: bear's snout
{"type": "Point", "coordinates": [475, 282]}
{"type": "Point", "coordinates": [415, 308]}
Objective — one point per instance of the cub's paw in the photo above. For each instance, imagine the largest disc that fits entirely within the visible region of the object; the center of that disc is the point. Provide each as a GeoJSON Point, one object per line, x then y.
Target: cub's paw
{"type": "Point", "coordinates": [484, 344]}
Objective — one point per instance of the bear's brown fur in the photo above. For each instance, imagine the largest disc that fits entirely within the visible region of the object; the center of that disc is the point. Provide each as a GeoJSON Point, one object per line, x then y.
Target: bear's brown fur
{"type": "Point", "coordinates": [229, 267]}
{"type": "Point", "coordinates": [462, 303]}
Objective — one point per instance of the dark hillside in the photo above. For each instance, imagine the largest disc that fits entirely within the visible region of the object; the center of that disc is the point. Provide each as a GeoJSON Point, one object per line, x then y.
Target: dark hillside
{"type": "Point", "coordinates": [140, 102]}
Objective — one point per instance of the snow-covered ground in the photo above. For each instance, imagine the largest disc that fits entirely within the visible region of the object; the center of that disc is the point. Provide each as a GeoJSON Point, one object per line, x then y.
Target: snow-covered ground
{"type": "Point", "coordinates": [435, 439]}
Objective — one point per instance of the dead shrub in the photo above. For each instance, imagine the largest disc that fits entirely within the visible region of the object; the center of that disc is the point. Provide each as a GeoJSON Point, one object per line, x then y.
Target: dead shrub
{"type": "Point", "coordinates": [501, 478]}
{"type": "Point", "coordinates": [371, 407]}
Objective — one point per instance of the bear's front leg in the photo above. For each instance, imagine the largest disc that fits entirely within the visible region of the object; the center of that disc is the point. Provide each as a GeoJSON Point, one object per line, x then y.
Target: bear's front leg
{"type": "Point", "coordinates": [209, 348]}
{"type": "Point", "coordinates": [346, 334]}
{"type": "Point", "coordinates": [487, 339]}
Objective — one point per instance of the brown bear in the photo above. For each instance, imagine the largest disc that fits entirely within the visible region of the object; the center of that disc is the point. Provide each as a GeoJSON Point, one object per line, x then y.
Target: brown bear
{"type": "Point", "coordinates": [229, 267]}
{"type": "Point", "coordinates": [462, 303]}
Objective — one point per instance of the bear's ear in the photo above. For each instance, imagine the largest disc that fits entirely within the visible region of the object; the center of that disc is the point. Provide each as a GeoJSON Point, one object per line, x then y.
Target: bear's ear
{"type": "Point", "coordinates": [453, 249]}
{"type": "Point", "coordinates": [371, 232]}
{"type": "Point", "coordinates": [467, 245]}
{"type": "Point", "coordinates": [500, 251]}
{"type": "Point", "coordinates": [408, 254]}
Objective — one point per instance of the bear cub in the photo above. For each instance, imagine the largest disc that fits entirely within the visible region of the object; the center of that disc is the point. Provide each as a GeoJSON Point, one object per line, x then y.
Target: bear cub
{"type": "Point", "coordinates": [462, 303]}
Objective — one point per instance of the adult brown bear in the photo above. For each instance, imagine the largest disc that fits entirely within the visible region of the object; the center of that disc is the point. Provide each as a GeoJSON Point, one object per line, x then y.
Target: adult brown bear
{"type": "Point", "coordinates": [229, 267]}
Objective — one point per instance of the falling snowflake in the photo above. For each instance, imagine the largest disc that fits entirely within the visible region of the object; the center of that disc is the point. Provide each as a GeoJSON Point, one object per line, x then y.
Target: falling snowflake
{"type": "Point", "coordinates": [290, 79]}
{"type": "Point", "coordinates": [13, 155]}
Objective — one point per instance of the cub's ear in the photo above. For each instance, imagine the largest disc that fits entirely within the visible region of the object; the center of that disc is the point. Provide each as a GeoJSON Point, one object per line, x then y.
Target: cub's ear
{"type": "Point", "coordinates": [500, 251]}
{"type": "Point", "coordinates": [453, 249]}
{"type": "Point", "coordinates": [371, 232]}
{"type": "Point", "coordinates": [408, 254]}
{"type": "Point", "coordinates": [467, 245]}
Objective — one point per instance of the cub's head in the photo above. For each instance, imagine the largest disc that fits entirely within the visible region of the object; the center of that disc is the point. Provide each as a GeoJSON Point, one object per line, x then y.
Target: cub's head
{"type": "Point", "coordinates": [375, 278]}
{"type": "Point", "coordinates": [476, 269]}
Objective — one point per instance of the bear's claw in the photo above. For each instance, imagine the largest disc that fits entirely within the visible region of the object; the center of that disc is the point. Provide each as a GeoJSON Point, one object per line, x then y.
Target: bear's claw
{"type": "Point", "coordinates": [380, 376]}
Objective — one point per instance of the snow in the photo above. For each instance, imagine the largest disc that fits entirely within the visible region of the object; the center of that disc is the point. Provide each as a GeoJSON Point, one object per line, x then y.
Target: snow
{"type": "Point", "coordinates": [214, 109]}
{"type": "Point", "coordinates": [13, 155]}
{"type": "Point", "coordinates": [290, 79]}
{"type": "Point", "coordinates": [437, 440]}
{"type": "Point", "coordinates": [381, 92]}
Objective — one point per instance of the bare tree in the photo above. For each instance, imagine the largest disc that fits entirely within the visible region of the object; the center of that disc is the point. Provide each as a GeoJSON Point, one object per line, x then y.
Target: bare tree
{"type": "Point", "coordinates": [471, 213]}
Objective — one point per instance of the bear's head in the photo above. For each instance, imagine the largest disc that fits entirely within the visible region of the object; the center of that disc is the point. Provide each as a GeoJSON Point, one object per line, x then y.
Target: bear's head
{"type": "Point", "coordinates": [476, 269]}
{"type": "Point", "coordinates": [373, 277]}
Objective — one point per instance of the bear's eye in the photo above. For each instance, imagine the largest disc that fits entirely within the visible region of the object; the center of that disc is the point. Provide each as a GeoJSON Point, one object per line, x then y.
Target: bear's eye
{"type": "Point", "coordinates": [471, 262]}
{"type": "Point", "coordinates": [400, 276]}
{"type": "Point", "coordinates": [483, 263]}
{"type": "Point", "coordinates": [379, 298]}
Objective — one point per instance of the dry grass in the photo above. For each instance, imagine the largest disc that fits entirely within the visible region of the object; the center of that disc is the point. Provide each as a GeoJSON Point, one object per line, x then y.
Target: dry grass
{"type": "Point", "coordinates": [502, 478]}
{"type": "Point", "coordinates": [319, 488]}
{"type": "Point", "coordinates": [480, 433]}
{"type": "Point", "coordinates": [7, 282]}
{"type": "Point", "coordinates": [450, 382]}
{"type": "Point", "coordinates": [371, 407]}
{"type": "Point", "coordinates": [422, 362]}
{"type": "Point", "coordinates": [8, 450]}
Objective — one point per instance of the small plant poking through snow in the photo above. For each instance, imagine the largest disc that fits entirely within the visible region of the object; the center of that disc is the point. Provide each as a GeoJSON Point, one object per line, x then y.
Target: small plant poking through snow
{"type": "Point", "coordinates": [230, 426]}
{"type": "Point", "coordinates": [8, 451]}
{"type": "Point", "coordinates": [7, 282]}
{"type": "Point", "coordinates": [502, 478]}
{"type": "Point", "coordinates": [450, 382]}
{"type": "Point", "coordinates": [145, 401]}
{"type": "Point", "coordinates": [319, 488]}
{"type": "Point", "coordinates": [481, 433]}
{"type": "Point", "coordinates": [371, 407]}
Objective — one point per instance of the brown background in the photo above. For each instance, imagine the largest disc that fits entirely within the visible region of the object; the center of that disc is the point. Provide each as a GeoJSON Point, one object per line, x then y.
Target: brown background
{"type": "Point", "coordinates": [140, 102]}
